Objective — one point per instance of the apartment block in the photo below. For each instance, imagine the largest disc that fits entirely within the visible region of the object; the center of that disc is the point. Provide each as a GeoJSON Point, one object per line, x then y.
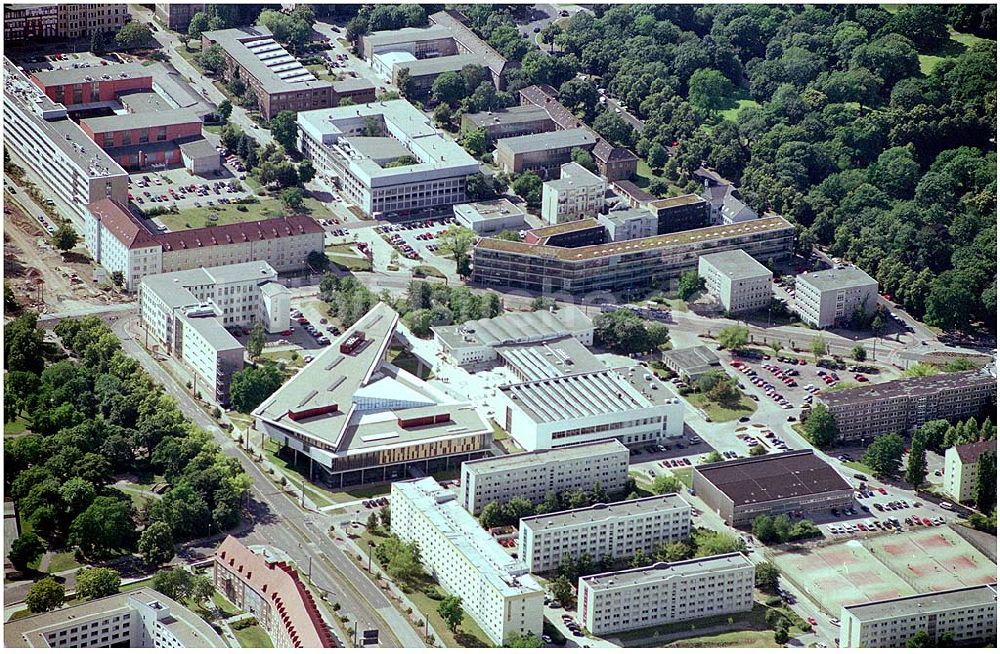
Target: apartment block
{"type": "Point", "coordinates": [904, 404]}
{"type": "Point", "coordinates": [578, 193]}
{"type": "Point", "coordinates": [532, 475]}
{"type": "Point", "coordinates": [616, 531]}
{"type": "Point", "coordinates": [633, 264]}
{"type": "Point", "coordinates": [665, 593]}
{"type": "Point", "coordinates": [628, 225]}
{"type": "Point", "coordinates": [961, 467]}
{"type": "Point", "coordinates": [386, 157]}
{"type": "Point", "coordinates": [271, 590]}
{"type": "Point", "coordinates": [30, 22]}
{"type": "Point", "coordinates": [143, 618]}
{"type": "Point", "coordinates": [829, 297]}
{"type": "Point", "coordinates": [740, 282]}
{"type": "Point", "coordinates": [542, 153]}
{"type": "Point", "coordinates": [968, 614]}
{"type": "Point", "coordinates": [496, 589]}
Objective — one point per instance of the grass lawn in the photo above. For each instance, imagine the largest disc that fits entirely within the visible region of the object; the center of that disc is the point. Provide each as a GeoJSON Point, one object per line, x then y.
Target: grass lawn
{"type": "Point", "coordinates": [15, 427]}
{"type": "Point", "coordinates": [955, 46]}
{"type": "Point", "coordinates": [740, 100]}
{"type": "Point", "coordinates": [752, 620]}
{"type": "Point", "coordinates": [644, 176]}
{"type": "Point", "coordinates": [860, 467]}
{"type": "Point", "coordinates": [254, 636]}
{"type": "Point", "coordinates": [745, 638]}
{"type": "Point", "coordinates": [405, 360]}
{"type": "Point", "coordinates": [63, 561]}
{"type": "Point", "coordinates": [720, 413]}
{"type": "Point", "coordinates": [320, 71]}
{"type": "Point", "coordinates": [226, 608]}
{"type": "Point", "coordinates": [146, 583]}
{"type": "Point", "coordinates": [212, 129]}
{"type": "Point", "coordinates": [226, 214]}
{"type": "Point", "coordinates": [347, 256]}
{"type": "Point", "coordinates": [428, 271]}
{"type": "Point", "coordinates": [296, 475]}
{"type": "Point", "coordinates": [683, 475]}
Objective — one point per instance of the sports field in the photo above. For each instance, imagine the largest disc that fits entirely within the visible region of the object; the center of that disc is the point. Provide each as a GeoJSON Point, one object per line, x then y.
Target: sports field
{"type": "Point", "coordinates": [885, 567]}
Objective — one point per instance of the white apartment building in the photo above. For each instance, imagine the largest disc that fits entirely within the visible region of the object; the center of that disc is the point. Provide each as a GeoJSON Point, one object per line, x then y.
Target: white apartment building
{"type": "Point", "coordinates": [189, 314]}
{"type": "Point", "coordinates": [142, 618]}
{"type": "Point", "coordinates": [961, 467]}
{"type": "Point", "coordinates": [740, 282]}
{"type": "Point", "coordinates": [584, 407]}
{"type": "Point", "coordinates": [476, 341]}
{"type": "Point", "coordinates": [490, 217]}
{"type": "Point", "coordinates": [533, 474]}
{"type": "Point", "coordinates": [629, 224]}
{"type": "Point", "coordinates": [664, 593]}
{"type": "Point", "coordinates": [617, 530]}
{"type": "Point", "coordinates": [827, 297]}
{"type": "Point", "coordinates": [578, 193]}
{"type": "Point", "coordinates": [496, 589]}
{"type": "Point", "coordinates": [40, 135]}
{"type": "Point", "coordinates": [386, 157]}
{"type": "Point", "coordinates": [968, 614]}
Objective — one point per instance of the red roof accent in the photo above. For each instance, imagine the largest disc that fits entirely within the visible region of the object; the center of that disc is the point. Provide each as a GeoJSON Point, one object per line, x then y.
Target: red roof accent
{"type": "Point", "coordinates": [126, 228]}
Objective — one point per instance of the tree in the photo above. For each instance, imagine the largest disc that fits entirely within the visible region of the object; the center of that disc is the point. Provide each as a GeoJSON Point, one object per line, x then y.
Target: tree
{"type": "Point", "coordinates": [709, 89]}
{"type": "Point", "coordinates": [156, 545]}
{"type": "Point", "coordinates": [456, 241]}
{"type": "Point", "coordinates": [198, 24]}
{"type": "Point", "coordinates": [284, 129]}
{"type": "Point", "coordinates": [448, 88]}
{"type": "Point", "coordinates": [818, 346]}
{"type": "Point", "coordinates": [251, 386]}
{"type": "Point", "coordinates": [614, 128]}
{"type": "Point", "coordinates": [104, 527]}
{"type": "Point", "coordinates": [443, 115]}
{"type": "Point", "coordinates": [201, 589]}
{"type": "Point", "coordinates": [212, 60]}
{"type": "Point", "coordinates": [689, 284]}
{"type": "Point", "coordinates": [132, 35]}
{"type": "Point", "coordinates": [859, 353]}
{"type": "Point", "coordinates": [757, 450]}
{"type": "Point", "coordinates": [385, 517]}
{"type": "Point", "coordinates": [451, 611]}
{"type": "Point", "coordinates": [176, 584]}
{"type": "Point", "coordinates": [734, 337]}
{"type": "Point", "coordinates": [474, 140]}
{"type": "Point", "coordinates": [896, 172]}
{"type": "Point", "coordinates": [372, 523]}
{"type": "Point", "coordinates": [528, 185]}
{"type": "Point", "coordinates": [318, 260]}
{"type": "Point", "coordinates": [670, 552]}
{"type": "Point", "coordinates": [99, 42]}
{"type": "Point", "coordinates": [916, 464]}
{"type": "Point", "coordinates": [45, 595]}
{"type": "Point", "coordinates": [94, 583]}
{"type": "Point", "coordinates": [23, 345]}
{"type": "Point", "coordinates": [624, 332]}
{"type": "Point", "coordinates": [921, 639]}
{"type": "Point", "coordinates": [525, 641]}
{"type": "Point", "coordinates": [766, 576]}
{"type": "Point", "coordinates": [65, 237]}
{"type": "Point", "coordinates": [292, 198]}
{"type": "Point", "coordinates": [781, 634]}
{"type": "Point", "coordinates": [255, 344]}
{"type": "Point", "coordinates": [884, 456]}
{"type": "Point", "coordinates": [663, 485]}
{"type": "Point", "coordinates": [986, 481]}
{"type": "Point", "coordinates": [224, 111]}
{"type": "Point", "coordinates": [584, 158]}
{"type": "Point", "coordinates": [24, 549]}
{"type": "Point", "coordinates": [306, 171]}
{"type": "Point", "coordinates": [820, 427]}
{"type": "Point", "coordinates": [562, 590]}
{"type": "Point", "coordinates": [657, 156]}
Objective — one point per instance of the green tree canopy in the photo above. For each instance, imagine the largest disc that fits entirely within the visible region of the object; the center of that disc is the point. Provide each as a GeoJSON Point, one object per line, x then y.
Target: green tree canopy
{"type": "Point", "coordinates": [253, 385]}
{"type": "Point", "coordinates": [94, 583]}
{"type": "Point", "coordinates": [820, 427]}
{"type": "Point", "coordinates": [884, 455]}
{"type": "Point", "coordinates": [45, 595]}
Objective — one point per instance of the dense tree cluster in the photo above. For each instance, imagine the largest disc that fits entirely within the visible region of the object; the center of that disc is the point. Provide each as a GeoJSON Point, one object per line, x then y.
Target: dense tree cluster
{"type": "Point", "coordinates": [378, 18]}
{"type": "Point", "coordinates": [502, 514]}
{"type": "Point", "coordinates": [624, 332]}
{"type": "Point", "coordinates": [429, 304]}
{"type": "Point", "coordinates": [779, 529]}
{"type": "Point", "coordinates": [94, 416]}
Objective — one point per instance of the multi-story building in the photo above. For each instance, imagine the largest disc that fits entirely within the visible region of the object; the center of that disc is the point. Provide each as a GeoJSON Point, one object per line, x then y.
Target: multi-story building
{"type": "Point", "coordinates": [543, 153]}
{"type": "Point", "coordinates": [490, 216]}
{"type": "Point", "coordinates": [679, 213]}
{"type": "Point", "coordinates": [424, 72]}
{"type": "Point", "coordinates": [360, 420]}
{"type": "Point", "coordinates": [825, 298]}
{"type": "Point", "coordinates": [120, 242]}
{"type": "Point", "coordinates": [590, 406]}
{"type": "Point", "coordinates": [628, 225]}
{"type": "Point", "coordinates": [548, 359]}
{"type": "Point", "coordinates": [904, 404]}
{"type": "Point", "coordinates": [512, 121]}
{"type": "Point", "coordinates": [141, 618]}
{"type": "Point", "coordinates": [961, 467]}
{"type": "Point", "coordinates": [89, 88]}
{"type": "Point", "coordinates": [271, 590]}
{"type": "Point", "coordinates": [175, 15]}
{"type": "Point", "coordinates": [387, 157]}
{"type": "Point", "coordinates": [30, 22]}
{"type": "Point", "coordinates": [532, 475]}
{"type": "Point", "coordinates": [277, 79]}
{"type": "Point", "coordinates": [968, 614]}
{"type": "Point", "coordinates": [476, 341]}
{"type": "Point", "coordinates": [603, 531]}
{"type": "Point", "coordinates": [40, 135]}
{"type": "Point", "coordinates": [578, 193]}
{"type": "Point", "coordinates": [190, 312]}
{"type": "Point", "coordinates": [740, 282]}
{"type": "Point", "coordinates": [634, 264]}
{"type": "Point", "coordinates": [139, 140]}
{"type": "Point", "coordinates": [771, 484]}
{"type": "Point", "coordinates": [382, 49]}
{"type": "Point", "coordinates": [496, 589]}
{"type": "Point", "coordinates": [468, 42]}
{"type": "Point", "coordinates": [665, 593]}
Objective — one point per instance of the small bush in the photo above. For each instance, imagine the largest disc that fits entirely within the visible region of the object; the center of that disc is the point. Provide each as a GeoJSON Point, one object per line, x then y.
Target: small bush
{"type": "Point", "coordinates": [244, 623]}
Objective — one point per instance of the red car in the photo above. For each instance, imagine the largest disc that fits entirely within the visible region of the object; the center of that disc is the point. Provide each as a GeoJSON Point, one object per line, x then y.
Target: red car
{"type": "Point", "coordinates": [287, 332]}
{"type": "Point", "coordinates": [927, 522]}
{"type": "Point", "coordinates": [811, 620]}
{"type": "Point", "coordinates": [882, 490]}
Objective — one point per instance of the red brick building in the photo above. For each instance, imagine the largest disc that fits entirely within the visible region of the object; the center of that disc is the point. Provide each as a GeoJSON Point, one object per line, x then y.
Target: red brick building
{"type": "Point", "coordinates": [73, 87]}
{"type": "Point", "coordinates": [137, 141]}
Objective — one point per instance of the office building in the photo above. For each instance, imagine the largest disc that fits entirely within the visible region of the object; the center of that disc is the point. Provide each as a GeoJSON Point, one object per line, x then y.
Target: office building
{"type": "Point", "coordinates": [740, 282]}
{"type": "Point", "coordinates": [532, 475]}
{"type": "Point", "coordinates": [628, 224]}
{"type": "Point", "coordinates": [902, 405]}
{"type": "Point", "coordinates": [424, 72]}
{"type": "Point", "coordinates": [190, 312]}
{"type": "Point", "coordinates": [585, 407]}
{"type": "Point", "coordinates": [381, 49]}
{"type": "Point", "coordinates": [476, 341]}
{"type": "Point", "coordinates": [578, 193]}
{"type": "Point", "coordinates": [543, 153]}
{"type": "Point", "coordinates": [613, 163]}
{"type": "Point", "coordinates": [496, 589]}
{"type": "Point", "coordinates": [270, 589]}
{"type": "Point", "coordinates": [467, 42]}
{"type": "Point", "coordinates": [665, 593]}
{"type": "Point", "coordinates": [968, 614]}
{"type": "Point", "coordinates": [44, 22]}
{"type": "Point", "coordinates": [121, 242]}
{"type": "Point", "coordinates": [512, 121]}
{"type": "Point", "coordinates": [41, 137]}
{"type": "Point", "coordinates": [141, 618]}
{"type": "Point", "coordinates": [361, 420]}
{"type": "Point", "coordinates": [679, 213]}
{"type": "Point", "coordinates": [386, 157]}
{"type": "Point", "coordinates": [175, 15]}
{"type": "Point", "coordinates": [770, 484]}
{"type": "Point", "coordinates": [603, 531]}
{"type": "Point", "coordinates": [825, 298]}
{"type": "Point", "coordinates": [490, 217]}
{"type": "Point", "coordinates": [961, 467]}
{"type": "Point", "coordinates": [276, 78]}
{"type": "Point", "coordinates": [693, 362]}
{"type": "Point", "coordinates": [634, 264]}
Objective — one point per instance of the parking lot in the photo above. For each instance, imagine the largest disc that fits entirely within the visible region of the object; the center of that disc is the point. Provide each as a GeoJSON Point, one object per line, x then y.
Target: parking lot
{"type": "Point", "coordinates": [415, 239]}
{"type": "Point", "coordinates": [179, 188]}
